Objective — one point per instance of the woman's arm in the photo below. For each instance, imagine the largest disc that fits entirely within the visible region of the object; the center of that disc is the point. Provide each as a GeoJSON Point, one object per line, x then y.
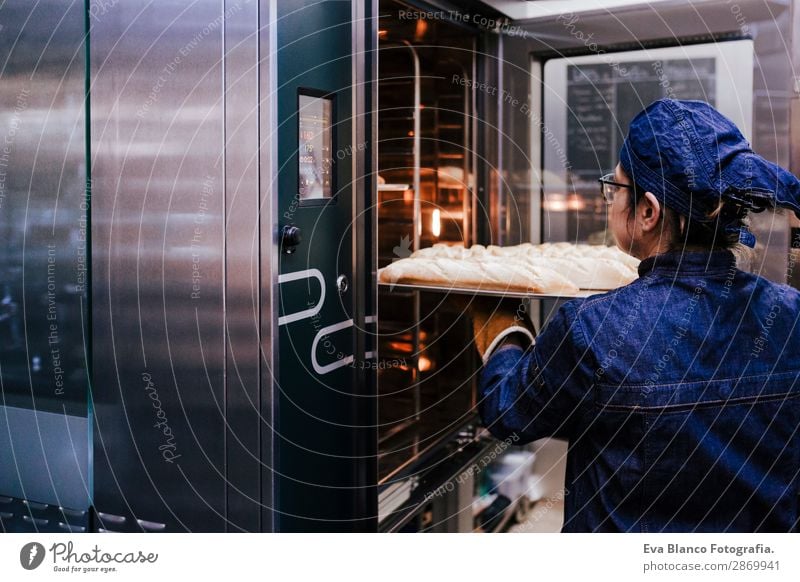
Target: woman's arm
{"type": "Point", "coordinates": [537, 391]}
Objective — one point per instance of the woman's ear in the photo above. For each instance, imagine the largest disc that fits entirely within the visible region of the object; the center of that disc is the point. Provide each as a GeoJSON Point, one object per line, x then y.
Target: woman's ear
{"type": "Point", "coordinates": [648, 212]}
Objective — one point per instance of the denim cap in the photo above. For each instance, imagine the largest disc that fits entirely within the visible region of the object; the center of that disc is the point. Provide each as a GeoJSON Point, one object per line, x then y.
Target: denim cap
{"type": "Point", "coordinates": [690, 155]}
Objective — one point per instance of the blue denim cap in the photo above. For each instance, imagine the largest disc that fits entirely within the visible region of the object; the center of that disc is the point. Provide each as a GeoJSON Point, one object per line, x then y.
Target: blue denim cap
{"type": "Point", "coordinates": [689, 155]}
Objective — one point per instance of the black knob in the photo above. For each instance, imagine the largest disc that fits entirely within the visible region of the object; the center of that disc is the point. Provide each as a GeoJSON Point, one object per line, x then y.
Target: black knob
{"type": "Point", "coordinates": [290, 238]}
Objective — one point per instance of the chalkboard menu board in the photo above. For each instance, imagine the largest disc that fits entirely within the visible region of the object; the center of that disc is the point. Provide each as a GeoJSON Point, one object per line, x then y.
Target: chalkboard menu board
{"type": "Point", "coordinates": [588, 103]}
{"type": "Point", "coordinates": [602, 99]}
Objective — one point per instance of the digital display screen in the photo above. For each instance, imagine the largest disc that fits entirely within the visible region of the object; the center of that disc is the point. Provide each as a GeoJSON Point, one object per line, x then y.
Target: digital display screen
{"type": "Point", "coordinates": [315, 167]}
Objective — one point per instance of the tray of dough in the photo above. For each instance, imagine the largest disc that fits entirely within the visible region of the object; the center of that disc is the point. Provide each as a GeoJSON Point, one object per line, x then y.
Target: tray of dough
{"type": "Point", "coordinates": [549, 270]}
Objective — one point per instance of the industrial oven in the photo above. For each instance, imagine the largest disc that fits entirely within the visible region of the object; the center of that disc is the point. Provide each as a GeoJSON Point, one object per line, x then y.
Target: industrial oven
{"type": "Point", "coordinates": [187, 289]}
{"type": "Point", "coordinates": [195, 201]}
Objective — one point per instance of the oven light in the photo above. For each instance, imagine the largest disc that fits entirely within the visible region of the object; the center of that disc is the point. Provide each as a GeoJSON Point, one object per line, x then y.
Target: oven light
{"type": "Point", "coordinates": [424, 364]}
{"type": "Point", "coordinates": [436, 223]}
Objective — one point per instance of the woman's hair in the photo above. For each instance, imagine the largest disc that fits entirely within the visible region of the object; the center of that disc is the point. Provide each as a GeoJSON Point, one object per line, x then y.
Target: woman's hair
{"type": "Point", "coordinates": [715, 234]}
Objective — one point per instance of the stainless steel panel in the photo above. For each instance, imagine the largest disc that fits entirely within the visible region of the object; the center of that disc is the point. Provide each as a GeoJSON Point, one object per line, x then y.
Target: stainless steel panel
{"type": "Point", "coordinates": [44, 457]}
{"type": "Point", "coordinates": [268, 191]}
{"type": "Point", "coordinates": [242, 285]}
{"type": "Point", "coordinates": [157, 127]}
{"type": "Point", "coordinates": [43, 242]}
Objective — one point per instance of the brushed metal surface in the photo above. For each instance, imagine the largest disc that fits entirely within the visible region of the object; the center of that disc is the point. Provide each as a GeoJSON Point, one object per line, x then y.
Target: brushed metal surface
{"type": "Point", "coordinates": [242, 285]}
{"type": "Point", "coordinates": [268, 258]}
{"type": "Point", "coordinates": [44, 457]}
{"type": "Point", "coordinates": [43, 249]}
{"type": "Point", "coordinates": [157, 153]}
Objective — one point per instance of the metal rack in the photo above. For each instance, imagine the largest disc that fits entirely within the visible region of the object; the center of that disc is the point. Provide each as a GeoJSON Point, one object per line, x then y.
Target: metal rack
{"type": "Point", "coordinates": [424, 134]}
{"type": "Point", "coordinates": [505, 293]}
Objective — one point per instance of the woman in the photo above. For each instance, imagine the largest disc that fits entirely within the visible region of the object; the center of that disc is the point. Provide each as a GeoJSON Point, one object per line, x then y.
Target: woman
{"type": "Point", "coordinates": [679, 394]}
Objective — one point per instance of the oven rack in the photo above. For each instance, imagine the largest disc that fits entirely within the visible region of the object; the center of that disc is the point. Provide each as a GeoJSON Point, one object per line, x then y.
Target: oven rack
{"type": "Point", "coordinates": [512, 294]}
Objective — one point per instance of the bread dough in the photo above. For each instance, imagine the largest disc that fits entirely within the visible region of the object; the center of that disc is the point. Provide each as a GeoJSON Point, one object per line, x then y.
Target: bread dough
{"type": "Point", "coordinates": [549, 268]}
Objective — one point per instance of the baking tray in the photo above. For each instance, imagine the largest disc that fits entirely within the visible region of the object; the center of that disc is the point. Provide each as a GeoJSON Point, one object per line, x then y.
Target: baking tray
{"type": "Point", "coordinates": [487, 292]}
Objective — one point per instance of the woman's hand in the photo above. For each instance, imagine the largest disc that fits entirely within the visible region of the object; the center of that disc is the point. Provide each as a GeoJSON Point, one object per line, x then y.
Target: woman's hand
{"type": "Point", "coordinates": [492, 316]}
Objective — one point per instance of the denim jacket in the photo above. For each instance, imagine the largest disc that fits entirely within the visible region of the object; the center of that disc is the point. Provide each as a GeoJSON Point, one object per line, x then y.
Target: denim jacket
{"type": "Point", "coordinates": [678, 395]}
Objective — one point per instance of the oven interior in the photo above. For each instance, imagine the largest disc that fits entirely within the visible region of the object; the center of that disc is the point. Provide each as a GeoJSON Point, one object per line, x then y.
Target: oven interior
{"type": "Point", "coordinates": [427, 367]}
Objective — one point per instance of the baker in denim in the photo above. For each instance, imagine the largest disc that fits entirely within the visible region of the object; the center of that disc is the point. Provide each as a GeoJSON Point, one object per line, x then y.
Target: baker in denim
{"type": "Point", "coordinates": [679, 394]}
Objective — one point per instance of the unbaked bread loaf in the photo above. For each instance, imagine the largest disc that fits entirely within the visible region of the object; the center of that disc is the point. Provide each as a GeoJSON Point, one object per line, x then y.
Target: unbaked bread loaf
{"type": "Point", "coordinates": [592, 273]}
{"type": "Point", "coordinates": [514, 276]}
{"type": "Point", "coordinates": [551, 268]}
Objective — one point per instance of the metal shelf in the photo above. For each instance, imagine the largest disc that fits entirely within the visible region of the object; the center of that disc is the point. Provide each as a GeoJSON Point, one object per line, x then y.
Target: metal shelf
{"type": "Point", "coordinates": [509, 293]}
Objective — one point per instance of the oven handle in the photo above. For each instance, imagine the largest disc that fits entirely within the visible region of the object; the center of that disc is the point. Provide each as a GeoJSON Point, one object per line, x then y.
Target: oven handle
{"type": "Point", "coordinates": [306, 313]}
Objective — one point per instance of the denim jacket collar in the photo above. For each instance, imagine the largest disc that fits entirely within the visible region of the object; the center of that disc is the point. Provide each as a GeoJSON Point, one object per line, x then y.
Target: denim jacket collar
{"type": "Point", "coordinates": [698, 263]}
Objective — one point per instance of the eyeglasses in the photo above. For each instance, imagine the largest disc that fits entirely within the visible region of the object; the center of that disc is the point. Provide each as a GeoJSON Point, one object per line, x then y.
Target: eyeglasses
{"type": "Point", "coordinates": [608, 187]}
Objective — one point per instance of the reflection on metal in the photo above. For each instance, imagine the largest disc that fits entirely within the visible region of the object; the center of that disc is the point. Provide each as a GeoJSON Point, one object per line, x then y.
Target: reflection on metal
{"type": "Point", "coordinates": [341, 362]}
{"type": "Point", "coordinates": [44, 456]}
{"type": "Point", "coordinates": [159, 199]}
{"type": "Point", "coordinates": [151, 525]}
{"type": "Point", "coordinates": [43, 259]}
{"type": "Point", "coordinates": [306, 313]}
{"type": "Point", "coordinates": [43, 230]}
{"type": "Point", "coordinates": [268, 260]}
{"type": "Point", "coordinates": [243, 389]}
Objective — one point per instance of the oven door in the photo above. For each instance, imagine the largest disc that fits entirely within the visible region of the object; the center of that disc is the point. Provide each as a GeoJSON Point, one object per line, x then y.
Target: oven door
{"type": "Point", "coordinates": [314, 392]}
